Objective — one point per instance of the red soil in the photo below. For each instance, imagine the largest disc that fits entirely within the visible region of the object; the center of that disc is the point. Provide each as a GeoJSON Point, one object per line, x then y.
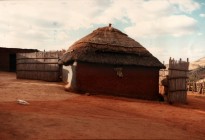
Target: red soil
{"type": "Point", "coordinates": [56, 114]}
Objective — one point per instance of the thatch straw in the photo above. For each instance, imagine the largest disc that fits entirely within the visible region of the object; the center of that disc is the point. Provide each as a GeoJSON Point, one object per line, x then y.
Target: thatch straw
{"type": "Point", "coordinates": [108, 45]}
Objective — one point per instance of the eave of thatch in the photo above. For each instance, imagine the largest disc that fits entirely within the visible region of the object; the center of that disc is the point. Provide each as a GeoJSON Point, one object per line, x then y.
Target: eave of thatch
{"type": "Point", "coordinates": [110, 46]}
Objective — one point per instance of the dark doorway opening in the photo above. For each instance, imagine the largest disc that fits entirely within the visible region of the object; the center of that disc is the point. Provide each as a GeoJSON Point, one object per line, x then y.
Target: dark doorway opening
{"type": "Point", "coordinates": [12, 62]}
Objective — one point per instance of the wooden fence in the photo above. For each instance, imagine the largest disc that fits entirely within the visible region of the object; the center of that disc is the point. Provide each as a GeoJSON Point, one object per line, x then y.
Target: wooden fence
{"type": "Point", "coordinates": [39, 66]}
{"type": "Point", "coordinates": [177, 81]}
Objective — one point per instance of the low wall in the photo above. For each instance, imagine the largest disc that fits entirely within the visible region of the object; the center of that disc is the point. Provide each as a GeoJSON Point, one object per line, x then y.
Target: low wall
{"type": "Point", "coordinates": [39, 66]}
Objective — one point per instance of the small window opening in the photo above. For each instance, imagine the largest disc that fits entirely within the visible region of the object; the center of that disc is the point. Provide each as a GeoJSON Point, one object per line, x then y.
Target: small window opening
{"type": "Point", "coordinates": [119, 72]}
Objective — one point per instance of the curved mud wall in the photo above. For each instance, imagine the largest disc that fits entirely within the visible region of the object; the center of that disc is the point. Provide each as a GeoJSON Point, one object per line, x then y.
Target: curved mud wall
{"type": "Point", "coordinates": [129, 81]}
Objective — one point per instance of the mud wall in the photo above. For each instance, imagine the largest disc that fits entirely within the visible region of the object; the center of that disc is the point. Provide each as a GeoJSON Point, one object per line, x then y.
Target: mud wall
{"type": "Point", "coordinates": [129, 81]}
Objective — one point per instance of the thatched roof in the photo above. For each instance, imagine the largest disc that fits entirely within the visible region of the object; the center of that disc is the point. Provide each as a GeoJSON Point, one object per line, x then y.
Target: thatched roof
{"type": "Point", "coordinates": [108, 45]}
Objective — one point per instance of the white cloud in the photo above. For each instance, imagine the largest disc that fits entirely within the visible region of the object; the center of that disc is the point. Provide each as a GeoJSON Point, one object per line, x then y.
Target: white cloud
{"type": "Point", "coordinates": [199, 34]}
{"type": "Point", "coordinates": [186, 6]}
{"type": "Point", "coordinates": [152, 18]}
{"type": "Point", "coordinates": [43, 23]}
{"type": "Point", "coordinates": [202, 15]}
{"type": "Point", "coordinates": [32, 23]}
{"type": "Point", "coordinates": [176, 25]}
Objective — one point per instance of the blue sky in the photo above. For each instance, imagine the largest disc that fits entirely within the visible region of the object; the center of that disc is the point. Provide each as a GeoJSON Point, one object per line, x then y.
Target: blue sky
{"type": "Point", "coordinates": [167, 28]}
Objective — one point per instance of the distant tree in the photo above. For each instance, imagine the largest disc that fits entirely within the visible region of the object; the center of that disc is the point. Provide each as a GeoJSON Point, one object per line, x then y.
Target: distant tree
{"type": "Point", "coordinates": [63, 50]}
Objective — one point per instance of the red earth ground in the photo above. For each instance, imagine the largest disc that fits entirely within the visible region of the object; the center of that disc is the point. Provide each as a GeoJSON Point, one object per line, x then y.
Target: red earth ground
{"type": "Point", "coordinates": [56, 114]}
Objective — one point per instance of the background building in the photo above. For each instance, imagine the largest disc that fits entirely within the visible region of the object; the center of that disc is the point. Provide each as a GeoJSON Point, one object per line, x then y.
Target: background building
{"type": "Point", "coordinates": [8, 57]}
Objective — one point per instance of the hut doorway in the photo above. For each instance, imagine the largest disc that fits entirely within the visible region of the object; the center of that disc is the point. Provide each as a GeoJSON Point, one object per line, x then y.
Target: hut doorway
{"type": "Point", "coordinates": [12, 62]}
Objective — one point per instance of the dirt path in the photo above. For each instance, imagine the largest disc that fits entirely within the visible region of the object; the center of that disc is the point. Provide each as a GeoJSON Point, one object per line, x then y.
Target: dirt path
{"type": "Point", "coordinates": [12, 89]}
{"type": "Point", "coordinates": [56, 114]}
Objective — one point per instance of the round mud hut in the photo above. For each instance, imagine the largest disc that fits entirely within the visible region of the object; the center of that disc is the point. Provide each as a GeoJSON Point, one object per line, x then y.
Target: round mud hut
{"type": "Point", "coordinates": [109, 62]}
